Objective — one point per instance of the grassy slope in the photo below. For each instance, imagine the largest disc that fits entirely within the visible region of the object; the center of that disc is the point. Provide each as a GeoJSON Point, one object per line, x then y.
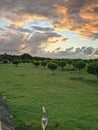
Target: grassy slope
{"type": "Point", "coordinates": [70, 104]}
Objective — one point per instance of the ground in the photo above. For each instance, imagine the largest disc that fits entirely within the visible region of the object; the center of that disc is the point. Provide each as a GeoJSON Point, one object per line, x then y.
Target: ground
{"type": "Point", "coordinates": [70, 104]}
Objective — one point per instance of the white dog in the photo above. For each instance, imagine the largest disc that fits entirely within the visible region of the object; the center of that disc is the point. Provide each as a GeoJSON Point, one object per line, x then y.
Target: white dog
{"type": "Point", "coordinates": [44, 119]}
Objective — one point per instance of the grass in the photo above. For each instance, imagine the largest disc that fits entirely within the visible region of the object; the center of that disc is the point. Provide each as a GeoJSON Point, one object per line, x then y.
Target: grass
{"type": "Point", "coordinates": [70, 104]}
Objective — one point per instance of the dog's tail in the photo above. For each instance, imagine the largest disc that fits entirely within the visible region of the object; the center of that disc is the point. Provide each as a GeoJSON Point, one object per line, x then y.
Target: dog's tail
{"type": "Point", "coordinates": [43, 109]}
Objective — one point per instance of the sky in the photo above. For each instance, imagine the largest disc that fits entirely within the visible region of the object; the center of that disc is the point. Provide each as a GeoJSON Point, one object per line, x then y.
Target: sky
{"type": "Point", "coordinates": [49, 28]}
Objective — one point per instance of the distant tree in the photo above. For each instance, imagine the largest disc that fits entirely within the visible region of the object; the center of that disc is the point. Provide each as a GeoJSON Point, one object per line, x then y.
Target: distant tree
{"type": "Point", "coordinates": [5, 61]}
{"type": "Point", "coordinates": [52, 66]}
{"type": "Point", "coordinates": [62, 64]}
{"type": "Point", "coordinates": [32, 61]}
{"type": "Point", "coordinates": [92, 68]}
{"type": "Point", "coordinates": [79, 64]}
{"type": "Point", "coordinates": [36, 63]}
{"type": "Point", "coordinates": [44, 63]}
{"type": "Point", "coordinates": [55, 61]}
{"type": "Point", "coordinates": [16, 62]}
{"type": "Point", "coordinates": [26, 56]}
{"type": "Point", "coordinates": [69, 61]}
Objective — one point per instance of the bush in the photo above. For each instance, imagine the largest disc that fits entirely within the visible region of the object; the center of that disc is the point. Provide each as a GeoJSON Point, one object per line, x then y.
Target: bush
{"type": "Point", "coordinates": [16, 62]}
{"type": "Point", "coordinates": [36, 63]}
{"type": "Point", "coordinates": [62, 64]}
{"type": "Point", "coordinates": [92, 68]}
{"type": "Point", "coordinates": [52, 66]}
{"type": "Point", "coordinates": [79, 64]}
{"type": "Point", "coordinates": [5, 61]}
{"type": "Point", "coordinates": [44, 63]}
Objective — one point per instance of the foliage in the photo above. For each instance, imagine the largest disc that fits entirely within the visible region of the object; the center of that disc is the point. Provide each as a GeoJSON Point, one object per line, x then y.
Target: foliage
{"type": "Point", "coordinates": [92, 68]}
{"type": "Point", "coordinates": [26, 56]}
{"type": "Point", "coordinates": [69, 62]}
{"type": "Point", "coordinates": [36, 63]}
{"type": "Point", "coordinates": [16, 62]}
{"type": "Point", "coordinates": [44, 63]}
{"type": "Point", "coordinates": [5, 61]}
{"type": "Point", "coordinates": [79, 64]}
{"type": "Point", "coordinates": [62, 64]}
{"type": "Point", "coordinates": [52, 66]}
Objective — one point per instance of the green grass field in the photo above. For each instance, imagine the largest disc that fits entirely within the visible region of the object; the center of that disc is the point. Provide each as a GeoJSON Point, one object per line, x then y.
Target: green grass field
{"type": "Point", "coordinates": [70, 104]}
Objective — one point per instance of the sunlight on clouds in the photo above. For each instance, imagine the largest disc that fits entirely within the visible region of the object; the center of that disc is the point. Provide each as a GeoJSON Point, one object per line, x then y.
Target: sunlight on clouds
{"type": "Point", "coordinates": [87, 12]}
{"type": "Point", "coordinates": [21, 20]}
{"type": "Point", "coordinates": [60, 9]}
{"type": "Point", "coordinates": [55, 39]}
{"type": "Point", "coordinates": [22, 45]}
{"type": "Point", "coordinates": [27, 18]}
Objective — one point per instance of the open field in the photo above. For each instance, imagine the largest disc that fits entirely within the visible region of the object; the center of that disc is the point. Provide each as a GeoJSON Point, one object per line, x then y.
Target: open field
{"type": "Point", "coordinates": [70, 104]}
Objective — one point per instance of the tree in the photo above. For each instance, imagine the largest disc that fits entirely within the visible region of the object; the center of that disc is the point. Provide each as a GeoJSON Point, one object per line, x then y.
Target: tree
{"type": "Point", "coordinates": [92, 68]}
{"type": "Point", "coordinates": [5, 61]}
{"type": "Point", "coordinates": [26, 56]}
{"type": "Point", "coordinates": [79, 64]}
{"type": "Point", "coordinates": [16, 62]}
{"type": "Point", "coordinates": [69, 62]}
{"type": "Point", "coordinates": [62, 64]}
{"type": "Point", "coordinates": [52, 66]}
{"type": "Point", "coordinates": [44, 63]}
{"type": "Point", "coordinates": [36, 63]}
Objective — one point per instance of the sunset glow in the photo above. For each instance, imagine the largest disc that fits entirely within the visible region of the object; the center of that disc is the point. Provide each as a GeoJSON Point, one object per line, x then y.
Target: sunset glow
{"type": "Point", "coordinates": [49, 28]}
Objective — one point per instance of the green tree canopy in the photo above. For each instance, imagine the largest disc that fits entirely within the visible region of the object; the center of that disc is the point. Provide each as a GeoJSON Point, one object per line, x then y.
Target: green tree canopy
{"type": "Point", "coordinates": [79, 64]}
{"type": "Point", "coordinates": [44, 63]}
{"type": "Point", "coordinates": [16, 62]}
{"type": "Point", "coordinates": [62, 64]}
{"type": "Point", "coordinates": [36, 63]}
{"type": "Point", "coordinates": [92, 68]}
{"type": "Point", "coordinates": [52, 66]}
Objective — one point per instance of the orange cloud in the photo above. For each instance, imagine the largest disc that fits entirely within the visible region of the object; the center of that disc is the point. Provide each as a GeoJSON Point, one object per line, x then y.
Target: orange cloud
{"type": "Point", "coordinates": [84, 22]}
{"type": "Point", "coordinates": [63, 22]}
{"type": "Point", "coordinates": [87, 11]}
{"type": "Point", "coordinates": [19, 21]}
{"type": "Point", "coordinates": [55, 39]}
{"type": "Point", "coordinates": [60, 9]}
{"type": "Point", "coordinates": [27, 18]}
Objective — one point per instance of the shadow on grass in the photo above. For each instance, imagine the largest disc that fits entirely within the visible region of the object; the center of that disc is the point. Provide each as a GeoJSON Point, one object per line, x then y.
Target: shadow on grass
{"type": "Point", "coordinates": [35, 126]}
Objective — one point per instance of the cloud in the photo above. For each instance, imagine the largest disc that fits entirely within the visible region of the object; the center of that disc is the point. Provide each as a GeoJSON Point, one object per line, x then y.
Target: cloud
{"type": "Point", "coordinates": [96, 52]}
{"type": "Point", "coordinates": [79, 16]}
{"type": "Point", "coordinates": [42, 29]}
{"type": "Point", "coordinates": [19, 40]}
{"type": "Point", "coordinates": [74, 53]}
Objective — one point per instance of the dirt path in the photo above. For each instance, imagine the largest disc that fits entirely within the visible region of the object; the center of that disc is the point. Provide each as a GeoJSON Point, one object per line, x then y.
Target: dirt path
{"type": "Point", "coordinates": [5, 117]}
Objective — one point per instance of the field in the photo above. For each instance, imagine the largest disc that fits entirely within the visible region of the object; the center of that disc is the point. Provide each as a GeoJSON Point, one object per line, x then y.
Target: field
{"type": "Point", "coordinates": [70, 104]}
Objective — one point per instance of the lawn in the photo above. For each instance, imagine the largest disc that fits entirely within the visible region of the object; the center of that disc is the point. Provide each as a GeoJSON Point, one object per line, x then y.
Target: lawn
{"type": "Point", "coordinates": [70, 104]}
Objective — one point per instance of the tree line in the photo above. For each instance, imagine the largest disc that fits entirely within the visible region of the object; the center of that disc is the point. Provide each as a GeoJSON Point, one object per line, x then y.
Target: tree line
{"type": "Point", "coordinates": [52, 64]}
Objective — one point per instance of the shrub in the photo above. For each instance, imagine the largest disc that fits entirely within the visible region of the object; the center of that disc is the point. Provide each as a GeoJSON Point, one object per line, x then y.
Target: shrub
{"type": "Point", "coordinates": [62, 64]}
{"type": "Point", "coordinates": [79, 64]}
{"type": "Point", "coordinates": [52, 66]}
{"type": "Point", "coordinates": [92, 68]}
{"type": "Point", "coordinates": [36, 63]}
